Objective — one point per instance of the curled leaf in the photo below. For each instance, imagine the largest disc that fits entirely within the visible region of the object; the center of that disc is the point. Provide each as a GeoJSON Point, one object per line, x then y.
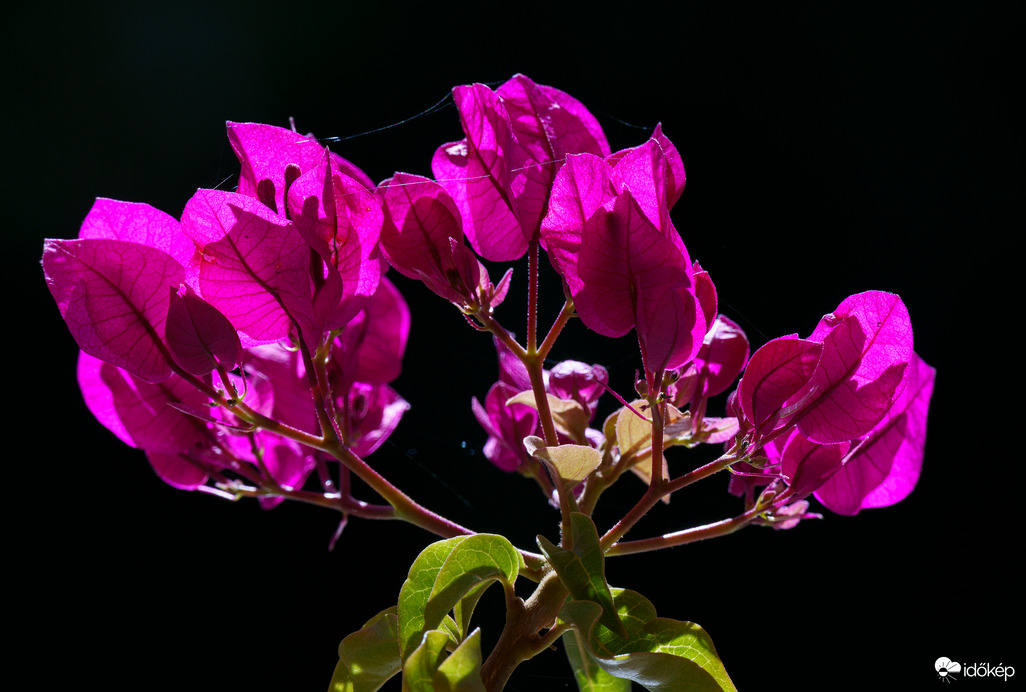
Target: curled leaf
{"type": "Point", "coordinates": [446, 573]}
{"type": "Point", "coordinates": [574, 463]}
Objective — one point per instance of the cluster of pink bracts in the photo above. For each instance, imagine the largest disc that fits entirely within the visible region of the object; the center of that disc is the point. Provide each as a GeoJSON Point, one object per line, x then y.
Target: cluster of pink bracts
{"type": "Point", "coordinates": [275, 295]}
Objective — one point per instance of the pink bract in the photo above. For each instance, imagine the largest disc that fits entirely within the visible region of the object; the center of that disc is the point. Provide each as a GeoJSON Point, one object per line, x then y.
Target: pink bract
{"type": "Point", "coordinates": [142, 415]}
{"type": "Point", "coordinates": [113, 295]}
{"type": "Point", "coordinates": [198, 336]}
{"type": "Point", "coordinates": [252, 265]}
{"type": "Point", "coordinates": [779, 370]}
{"type": "Point", "coordinates": [500, 175]}
{"type": "Point", "coordinates": [423, 237]}
{"type": "Point", "coordinates": [507, 426]}
{"type": "Point", "coordinates": [370, 349]}
{"type": "Point", "coordinates": [372, 413]}
{"type": "Point", "coordinates": [608, 233]}
{"type": "Point", "coordinates": [884, 466]}
{"type": "Point", "coordinates": [266, 152]}
{"type": "Point", "coordinates": [137, 223]}
{"type": "Point", "coordinates": [867, 346]}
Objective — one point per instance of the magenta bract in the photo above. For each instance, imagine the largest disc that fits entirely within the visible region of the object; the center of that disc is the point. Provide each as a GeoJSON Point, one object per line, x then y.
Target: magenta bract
{"type": "Point", "coordinates": [198, 336]}
{"type": "Point", "coordinates": [723, 355]}
{"type": "Point", "coordinates": [867, 345]}
{"type": "Point", "coordinates": [608, 234]}
{"type": "Point", "coordinates": [266, 152]}
{"type": "Point", "coordinates": [883, 467]}
{"type": "Point", "coordinates": [141, 414]}
{"type": "Point", "coordinates": [501, 174]}
{"type": "Point", "coordinates": [705, 292]}
{"type": "Point", "coordinates": [673, 168]}
{"type": "Point", "coordinates": [370, 349]}
{"type": "Point", "coordinates": [580, 382]}
{"type": "Point", "coordinates": [342, 222]}
{"type": "Point", "coordinates": [807, 465]}
{"type": "Point", "coordinates": [113, 295]}
{"type": "Point", "coordinates": [137, 223]}
{"type": "Point", "coordinates": [423, 236]}
{"type": "Point", "coordinates": [252, 265]}
{"type": "Point", "coordinates": [507, 426]}
{"type": "Point", "coordinates": [372, 414]}
{"type": "Point", "coordinates": [780, 370]}
{"type": "Point", "coordinates": [112, 284]}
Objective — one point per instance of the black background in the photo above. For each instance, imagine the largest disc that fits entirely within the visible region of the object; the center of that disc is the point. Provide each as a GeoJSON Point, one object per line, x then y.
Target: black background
{"type": "Point", "coordinates": [828, 150]}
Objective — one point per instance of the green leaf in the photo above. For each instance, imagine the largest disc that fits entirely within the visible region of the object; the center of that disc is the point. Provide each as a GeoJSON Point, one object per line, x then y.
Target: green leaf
{"type": "Point", "coordinates": [463, 610]}
{"type": "Point", "coordinates": [589, 674]}
{"type": "Point", "coordinates": [446, 573]}
{"type": "Point", "coordinates": [420, 667]}
{"type": "Point", "coordinates": [428, 669]}
{"type": "Point", "coordinates": [659, 653]}
{"type": "Point", "coordinates": [479, 559]}
{"type": "Point", "coordinates": [369, 657]}
{"type": "Point", "coordinates": [582, 568]}
{"type": "Point", "coordinates": [413, 595]}
{"type": "Point", "coordinates": [461, 672]}
{"type": "Point", "coordinates": [449, 626]}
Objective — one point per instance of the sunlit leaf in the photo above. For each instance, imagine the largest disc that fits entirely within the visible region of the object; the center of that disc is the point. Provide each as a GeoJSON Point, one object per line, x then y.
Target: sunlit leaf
{"type": "Point", "coordinates": [444, 574]}
{"type": "Point", "coordinates": [582, 568]}
{"type": "Point", "coordinates": [369, 657]}
{"type": "Point", "coordinates": [574, 463]}
{"type": "Point", "coordinates": [660, 654]}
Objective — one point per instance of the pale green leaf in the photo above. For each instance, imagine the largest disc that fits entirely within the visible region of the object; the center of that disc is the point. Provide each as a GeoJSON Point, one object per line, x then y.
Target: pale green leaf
{"type": "Point", "coordinates": [449, 626]}
{"type": "Point", "coordinates": [573, 463]}
{"type": "Point", "coordinates": [480, 559]}
{"type": "Point", "coordinates": [369, 657]}
{"type": "Point", "coordinates": [634, 436]}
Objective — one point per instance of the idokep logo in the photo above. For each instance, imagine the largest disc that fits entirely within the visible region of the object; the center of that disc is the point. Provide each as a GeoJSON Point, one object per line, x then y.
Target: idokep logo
{"type": "Point", "coordinates": [948, 670]}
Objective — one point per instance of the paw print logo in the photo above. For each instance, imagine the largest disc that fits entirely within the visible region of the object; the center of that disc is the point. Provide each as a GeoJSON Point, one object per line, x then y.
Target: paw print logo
{"type": "Point", "coordinates": [946, 668]}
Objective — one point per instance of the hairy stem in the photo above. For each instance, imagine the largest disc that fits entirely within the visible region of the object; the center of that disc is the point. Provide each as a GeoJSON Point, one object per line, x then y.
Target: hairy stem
{"type": "Point", "coordinates": [656, 482]}
{"type": "Point", "coordinates": [522, 637]}
{"type": "Point", "coordinates": [404, 507]}
{"type": "Point", "coordinates": [550, 339]}
{"type": "Point", "coordinates": [532, 296]}
{"type": "Point", "coordinates": [697, 533]}
{"type": "Point", "coordinates": [649, 500]}
{"type": "Point", "coordinates": [337, 502]}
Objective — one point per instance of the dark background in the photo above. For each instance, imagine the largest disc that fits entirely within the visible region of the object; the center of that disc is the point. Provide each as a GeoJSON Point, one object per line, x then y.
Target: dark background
{"type": "Point", "coordinates": [828, 151]}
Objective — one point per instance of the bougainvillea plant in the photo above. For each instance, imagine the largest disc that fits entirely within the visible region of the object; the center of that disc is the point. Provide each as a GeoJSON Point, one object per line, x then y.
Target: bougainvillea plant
{"type": "Point", "coordinates": [248, 349]}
